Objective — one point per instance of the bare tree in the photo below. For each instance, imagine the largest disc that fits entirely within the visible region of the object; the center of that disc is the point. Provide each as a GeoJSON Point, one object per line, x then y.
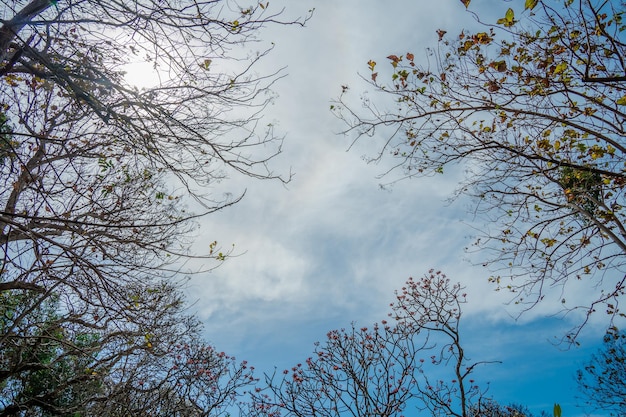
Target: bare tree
{"type": "Point", "coordinates": [533, 109]}
{"type": "Point", "coordinates": [94, 172]}
{"type": "Point", "coordinates": [193, 379]}
{"type": "Point", "coordinates": [386, 369]}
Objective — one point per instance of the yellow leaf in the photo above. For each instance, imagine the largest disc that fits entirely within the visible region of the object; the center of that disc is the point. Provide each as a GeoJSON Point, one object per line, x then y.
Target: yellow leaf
{"type": "Point", "coordinates": [530, 4]}
{"type": "Point", "coordinates": [621, 101]}
{"type": "Point", "coordinates": [560, 68]}
{"type": "Point", "coordinates": [509, 18]}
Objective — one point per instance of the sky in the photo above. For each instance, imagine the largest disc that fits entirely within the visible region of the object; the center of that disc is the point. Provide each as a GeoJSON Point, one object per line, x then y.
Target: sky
{"type": "Point", "coordinates": [330, 247]}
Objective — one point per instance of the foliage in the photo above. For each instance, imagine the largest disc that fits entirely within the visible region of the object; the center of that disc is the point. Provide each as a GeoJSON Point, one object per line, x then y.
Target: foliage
{"type": "Point", "coordinates": [45, 367]}
{"type": "Point", "coordinates": [383, 369]}
{"type": "Point", "coordinates": [6, 143]}
{"type": "Point", "coordinates": [533, 109]}
{"type": "Point", "coordinates": [602, 382]}
{"type": "Point", "coordinates": [157, 365]}
{"type": "Point", "coordinates": [58, 362]}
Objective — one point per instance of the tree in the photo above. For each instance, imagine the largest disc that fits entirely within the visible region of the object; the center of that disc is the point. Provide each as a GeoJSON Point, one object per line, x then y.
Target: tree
{"type": "Point", "coordinates": [94, 173]}
{"type": "Point", "coordinates": [384, 369]}
{"type": "Point", "coordinates": [60, 363]}
{"type": "Point", "coordinates": [43, 366]}
{"type": "Point", "coordinates": [533, 109]}
{"type": "Point", "coordinates": [193, 379]}
{"type": "Point", "coordinates": [602, 381]}
{"type": "Point", "coordinates": [490, 408]}
{"type": "Point", "coordinates": [158, 366]}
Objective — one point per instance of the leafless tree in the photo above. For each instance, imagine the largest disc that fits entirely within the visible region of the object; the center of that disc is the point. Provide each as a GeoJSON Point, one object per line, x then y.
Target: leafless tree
{"type": "Point", "coordinates": [387, 369]}
{"type": "Point", "coordinates": [94, 171]}
{"type": "Point", "coordinates": [193, 379]}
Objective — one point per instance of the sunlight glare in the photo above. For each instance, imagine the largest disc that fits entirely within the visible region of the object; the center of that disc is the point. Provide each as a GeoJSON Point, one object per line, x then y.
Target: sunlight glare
{"type": "Point", "coordinates": [141, 74]}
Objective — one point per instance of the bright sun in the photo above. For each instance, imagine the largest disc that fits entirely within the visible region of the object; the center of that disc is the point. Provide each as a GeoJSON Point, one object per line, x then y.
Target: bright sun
{"type": "Point", "coordinates": [141, 74]}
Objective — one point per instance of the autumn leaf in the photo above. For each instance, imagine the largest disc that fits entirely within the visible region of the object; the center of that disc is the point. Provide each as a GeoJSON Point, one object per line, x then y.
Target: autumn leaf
{"type": "Point", "coordinates": [499, 66]}
{"type": "Point", "coordinates": [374, 75]}
{"type": "Point", "coordinates": [621, 101]}
{"type": "Point", "coordinates": [466, 3]}
{"type": "Point", "coordinates": [410, 56]}
{"type": "Point", "coordinates": [441, 33]}
{"type": "Point", "coordinates": [394, 60]}
{"type": "Point", "coordinates": [371, 64]}
{"type": "Point", "coordinates": [493, 86]}
{"type": "Point", "coordinates": [482, 38]}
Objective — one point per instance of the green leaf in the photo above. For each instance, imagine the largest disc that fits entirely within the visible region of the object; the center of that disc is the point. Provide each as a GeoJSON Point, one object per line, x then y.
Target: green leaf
{"type": "Point", "coordinates": [509, 18]}
{"type": "Point", "coordinates": [530, 4]}
{"type": "Point", "coordinates": [560, 68]}
{"type": "Point", "coordinates": [557, 410]}
{"type": "Point", "coordinates": [510, 15]}
{"type": "Point", "coordinates": [621, 101]}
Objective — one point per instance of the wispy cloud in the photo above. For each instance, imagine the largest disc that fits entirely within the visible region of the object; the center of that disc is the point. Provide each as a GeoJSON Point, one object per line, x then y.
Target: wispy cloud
{"type": "Point", "coordinates": [331, 246]}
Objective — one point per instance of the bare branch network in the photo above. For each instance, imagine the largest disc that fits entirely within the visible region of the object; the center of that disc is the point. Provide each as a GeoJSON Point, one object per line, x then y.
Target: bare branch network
{"type": "Point", "coordinates": [95, 174]}
{"type": "Point", "coordinates": [534, 109]}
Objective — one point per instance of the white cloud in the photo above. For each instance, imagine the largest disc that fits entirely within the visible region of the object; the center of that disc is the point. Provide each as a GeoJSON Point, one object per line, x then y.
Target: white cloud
{"type": "Point", "coordinates": [331, 247]}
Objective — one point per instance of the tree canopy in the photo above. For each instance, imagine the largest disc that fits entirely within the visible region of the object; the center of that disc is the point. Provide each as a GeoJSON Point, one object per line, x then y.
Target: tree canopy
{"type": "Point", "coordinates": [602, 380]}
{"type": "Point", "coordinates": [533, 108]}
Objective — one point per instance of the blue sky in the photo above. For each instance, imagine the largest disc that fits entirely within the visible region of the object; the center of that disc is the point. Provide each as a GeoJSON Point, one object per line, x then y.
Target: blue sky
{"type": "Point", "coordinates": [331, 246]}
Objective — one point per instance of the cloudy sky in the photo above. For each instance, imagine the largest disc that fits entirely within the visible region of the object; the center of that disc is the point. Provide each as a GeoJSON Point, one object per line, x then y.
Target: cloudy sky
{"type": "Point", "coordinates": [331, 247]}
